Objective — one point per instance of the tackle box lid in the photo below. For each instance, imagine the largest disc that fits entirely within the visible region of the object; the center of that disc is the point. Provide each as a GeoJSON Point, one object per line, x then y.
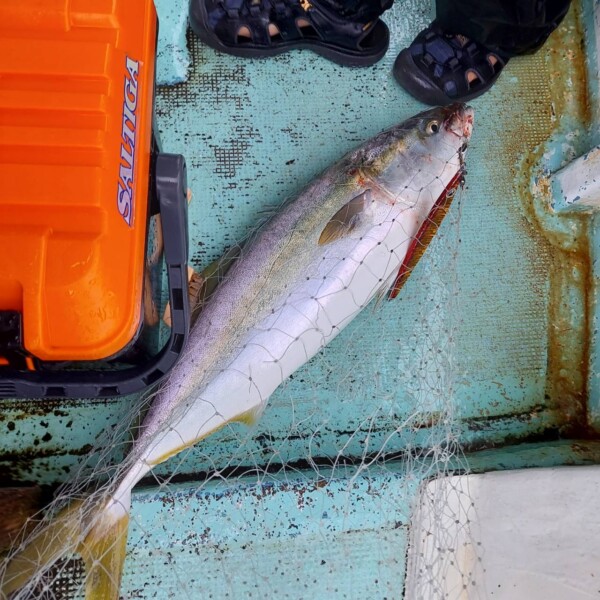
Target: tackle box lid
{"type": "Point", "coordinates": [76, 106]}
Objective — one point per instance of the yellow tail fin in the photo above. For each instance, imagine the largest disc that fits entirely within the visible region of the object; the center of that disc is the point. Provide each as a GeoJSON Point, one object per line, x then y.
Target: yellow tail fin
{"type": "Point", "coordinates": [103, 551]}
{"type": "Point", "coordinates": [95, 531]}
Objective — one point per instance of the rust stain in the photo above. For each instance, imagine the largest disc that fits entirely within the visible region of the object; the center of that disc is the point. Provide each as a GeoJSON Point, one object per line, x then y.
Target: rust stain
{"type": "Point", "coordinates": [586, 452]}
{"type": "Point", "coordinates": [566, 236]}
{"type": "Point", "coordinates": [428, 420]}
{"type": "Point", "coordinates": [571, 93]}
{"type": "Point", "coordinates": [569, 362]}
{"type": "Point", "coordinates": [569, 344]}
{"type": "Point", "coordinates": [14, 464]}
{"type": "Point", "coordinates": [483, 422]}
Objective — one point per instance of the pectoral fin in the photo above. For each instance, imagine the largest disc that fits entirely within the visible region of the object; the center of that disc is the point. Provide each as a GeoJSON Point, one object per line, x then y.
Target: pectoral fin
{"type": "Point", "coordinates": [211, 278]}
{"type": "Point", "coordinates": [345, 219]}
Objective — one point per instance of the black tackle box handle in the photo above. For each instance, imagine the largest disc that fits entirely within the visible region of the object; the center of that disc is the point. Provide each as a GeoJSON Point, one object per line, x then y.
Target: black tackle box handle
{"type": "Point", "coordinates": [170, 182]}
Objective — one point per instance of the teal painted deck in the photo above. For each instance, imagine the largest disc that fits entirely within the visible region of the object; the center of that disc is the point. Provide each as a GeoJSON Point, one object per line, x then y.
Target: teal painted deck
{"type": "Point", "coordinates": [498, 322]}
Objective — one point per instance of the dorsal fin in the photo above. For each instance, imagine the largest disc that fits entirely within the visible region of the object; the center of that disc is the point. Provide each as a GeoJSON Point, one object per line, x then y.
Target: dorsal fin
{"type": "Point", "coordinates": [208, 280]}
{"type": "Point", "coordinates": [201, 286]}
{"type": "Point", "coordinates": [345, 219]}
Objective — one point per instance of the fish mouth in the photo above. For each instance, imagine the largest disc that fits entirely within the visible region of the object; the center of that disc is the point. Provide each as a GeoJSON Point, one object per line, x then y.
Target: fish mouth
{"type": "Point", "coordinates": [459, 120]}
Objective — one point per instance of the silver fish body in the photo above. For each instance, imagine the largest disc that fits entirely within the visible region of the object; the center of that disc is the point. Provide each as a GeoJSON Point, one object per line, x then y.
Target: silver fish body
{"type": "Point", "coordinates": [291, 293]}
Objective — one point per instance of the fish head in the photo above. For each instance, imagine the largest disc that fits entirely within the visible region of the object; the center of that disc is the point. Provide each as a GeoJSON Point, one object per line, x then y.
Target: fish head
{"type": "Point", "coordinates": [423, 156]}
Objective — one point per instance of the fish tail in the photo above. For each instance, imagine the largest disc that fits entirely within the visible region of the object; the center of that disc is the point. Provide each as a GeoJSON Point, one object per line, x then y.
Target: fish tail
{"type": "Point", "coordinates": [96, 530]}
{"type": "Point", "coordinates": [103, 550]}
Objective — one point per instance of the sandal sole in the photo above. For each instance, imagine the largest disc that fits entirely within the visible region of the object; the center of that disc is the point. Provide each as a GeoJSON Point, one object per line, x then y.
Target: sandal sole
{"type": "Point", "coordinates": [332, 53]}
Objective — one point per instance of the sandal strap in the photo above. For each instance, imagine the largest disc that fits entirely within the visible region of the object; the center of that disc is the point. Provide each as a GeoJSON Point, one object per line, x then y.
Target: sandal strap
{"type": "Point", "coordinates": [229, 16]}
{"type": "Point", "coordinates": [232, 7]}
{"type": "Point", "coordinates": [282, 16]}
{"type": "Point", "coordinates": [245, 13]}
{"type": "Point", "coordinates": [447, 61]}
{"type": "Point", "coordinates": [335, 29]}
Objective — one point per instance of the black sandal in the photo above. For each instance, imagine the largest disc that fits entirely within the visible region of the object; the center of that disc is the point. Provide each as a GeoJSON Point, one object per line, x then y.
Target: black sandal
{"type": "Point", "coordinates": [300, 24]}
{"type": "Point", "coordinates": [435, 67]}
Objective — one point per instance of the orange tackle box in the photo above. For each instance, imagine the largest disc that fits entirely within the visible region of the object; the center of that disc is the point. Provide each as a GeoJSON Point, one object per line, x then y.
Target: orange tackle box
{"type": "Point", "coordinates": [81, 175]}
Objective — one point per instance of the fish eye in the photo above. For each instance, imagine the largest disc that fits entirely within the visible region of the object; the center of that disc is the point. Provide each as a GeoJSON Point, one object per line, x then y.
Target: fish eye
{"type": "Point", "coordinates": [432, 127]}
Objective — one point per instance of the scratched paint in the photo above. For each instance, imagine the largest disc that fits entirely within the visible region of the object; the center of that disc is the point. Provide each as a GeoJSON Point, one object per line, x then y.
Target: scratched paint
{"type": "Point", "coordinates": [172, 57]}
{"type": "Point", "coordinates": [592, 19]}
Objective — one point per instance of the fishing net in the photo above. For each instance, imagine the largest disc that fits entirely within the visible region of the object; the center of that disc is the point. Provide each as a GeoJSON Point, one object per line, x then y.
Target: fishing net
{"type": "Point", "coordinates": [340, 490]}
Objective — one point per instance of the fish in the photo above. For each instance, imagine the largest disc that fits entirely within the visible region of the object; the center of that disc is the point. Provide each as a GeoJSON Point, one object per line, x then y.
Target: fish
{"type": "Point", "coordinates": [350, 237]}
